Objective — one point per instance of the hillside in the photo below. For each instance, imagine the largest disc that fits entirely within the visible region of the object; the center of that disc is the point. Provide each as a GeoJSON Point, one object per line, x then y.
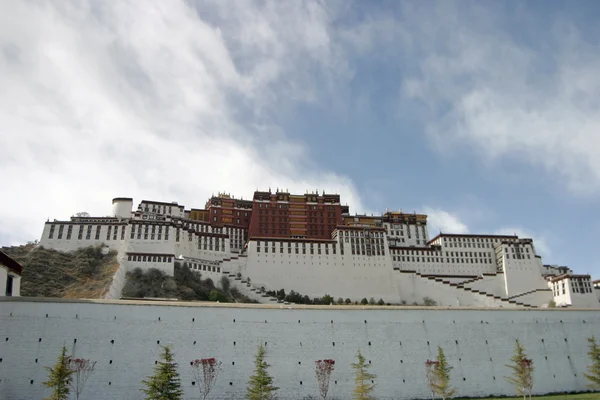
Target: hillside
{"type": "Point", "coordinates": [85, 273]}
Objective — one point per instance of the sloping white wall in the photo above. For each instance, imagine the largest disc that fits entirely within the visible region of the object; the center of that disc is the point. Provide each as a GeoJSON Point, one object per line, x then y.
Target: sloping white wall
{"type": "Point", "coordinates": [118, 281]}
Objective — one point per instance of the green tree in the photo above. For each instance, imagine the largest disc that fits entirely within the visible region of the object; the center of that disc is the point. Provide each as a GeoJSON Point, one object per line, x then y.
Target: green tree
{"type": "Point", "coordinates": [364, 301]}
{"type": "Point", "coordinates": [381, 302]}
{"type": "Point", "coordinates": [327, 299]}
{"type": "Point", "coordinates": [442, 370]}
{"type": "Point", "coordinates": [363, 380]}
{"type": "Point", "coordinates": [225, 284]}
{"type": "Point", "coordinates": [372, 301]}
{"type": "Point", "coordinates": [165, 384]}
{"type": "Point", "coordinates": [522, 372]}
{"type": "Point", "coordinates": [280, 294]}
{"type": "Point", "coordinates": [340, 300]}
{"type": "Point", "coordinates": [215, 295]}
{"type": "Point", "coordinates": [59, 377]}
{"type": "Point", "coordinates": [260, 384]}
{"type": "Point", "coordinates": [348, 301]}
{"type": "Point", "coordinates": [594, 369]}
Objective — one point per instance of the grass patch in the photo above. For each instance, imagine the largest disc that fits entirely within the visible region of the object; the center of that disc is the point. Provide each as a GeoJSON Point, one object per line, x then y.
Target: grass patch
{"type": "Point", "coordinates": [83, 273]}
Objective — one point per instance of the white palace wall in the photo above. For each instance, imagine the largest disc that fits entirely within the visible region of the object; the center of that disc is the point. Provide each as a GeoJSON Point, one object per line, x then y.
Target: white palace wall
{"type": "Point", "coordinates": [354, 277]}
{"type": "Point", "coordinates": [125, 338]}
{"type": "Point", "coordinates": [315, 275]}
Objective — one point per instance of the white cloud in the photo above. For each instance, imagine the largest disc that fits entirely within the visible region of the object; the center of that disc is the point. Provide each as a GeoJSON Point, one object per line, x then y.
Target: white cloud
{"type": "Point", "coordinates": [439, 220]}
{"type": "Point", "coordinates": [99, 100]}
{"type": "Point", "coordinates": [490, 92]}
{"type": "Point", "coordinates": [540, 242]}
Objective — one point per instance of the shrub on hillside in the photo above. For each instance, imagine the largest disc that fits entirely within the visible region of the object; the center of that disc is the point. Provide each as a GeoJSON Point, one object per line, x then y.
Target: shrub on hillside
{"type": "Point", "coordinates": [184, 285]}
{"type": "Point", "coordinates": [428, 301]}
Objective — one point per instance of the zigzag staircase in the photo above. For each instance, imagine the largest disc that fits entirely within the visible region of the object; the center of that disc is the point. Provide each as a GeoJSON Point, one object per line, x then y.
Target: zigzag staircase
{"type": "Point", "coordinates": [471, 279]}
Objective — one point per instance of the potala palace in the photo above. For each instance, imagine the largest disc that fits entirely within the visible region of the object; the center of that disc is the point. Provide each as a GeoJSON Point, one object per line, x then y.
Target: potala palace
{"type": "Point", "coordinates": [312, 244]}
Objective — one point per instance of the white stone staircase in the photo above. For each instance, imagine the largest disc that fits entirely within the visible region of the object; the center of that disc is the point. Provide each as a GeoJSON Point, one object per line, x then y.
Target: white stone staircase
{"type": "Point", "coordinates": [468, 285]}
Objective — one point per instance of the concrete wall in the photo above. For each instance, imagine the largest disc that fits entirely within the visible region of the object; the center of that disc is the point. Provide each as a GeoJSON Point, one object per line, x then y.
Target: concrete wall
{"type": "Point", "coordinates": [395, 341]}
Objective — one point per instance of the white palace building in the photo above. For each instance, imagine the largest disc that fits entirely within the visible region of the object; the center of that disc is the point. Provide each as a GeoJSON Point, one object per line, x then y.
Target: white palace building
{"type": "Point", "coordinates": [311, 244]}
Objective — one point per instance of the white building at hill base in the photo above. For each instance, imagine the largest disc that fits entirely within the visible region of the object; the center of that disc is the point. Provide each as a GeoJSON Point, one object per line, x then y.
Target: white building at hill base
{"type": "Point", "coordinates": [389, 257]}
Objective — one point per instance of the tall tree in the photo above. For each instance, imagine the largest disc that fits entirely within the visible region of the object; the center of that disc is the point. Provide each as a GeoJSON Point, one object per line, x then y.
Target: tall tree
{"type": "Point", "coordinates": [442, 370]}
{"type": "Point", "coordinates": [594, 369]}
{"type": "Point", "coordinates": [59, 377]}
{"type": "Point", "coordinates": [205, 372]}
{"type": "Point", "coordinates": [363, 380]}
{"type": "Point", "coordinates": [522, 372]}
{"type": "Point", "coordinates": [260, 384]}
{"type": "Point", "coordinates": [82, 369]}
{"type": "Point", "coordinates": [165, 384]}
{"type": "Point", "coordinates": [323, 369]}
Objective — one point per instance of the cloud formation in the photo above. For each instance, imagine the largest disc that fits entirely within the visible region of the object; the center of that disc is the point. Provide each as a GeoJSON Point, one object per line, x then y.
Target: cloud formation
{"type": "Point", "coordinates": [484, 88]}
{"type": "Point", "coordinates": [439, 220]}
{"type": "Point", "coordinates": [165, 101]}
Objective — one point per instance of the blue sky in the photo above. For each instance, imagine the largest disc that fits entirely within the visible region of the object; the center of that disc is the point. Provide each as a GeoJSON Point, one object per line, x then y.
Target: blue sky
{"type": "Point", "coordinates": [482, 114]}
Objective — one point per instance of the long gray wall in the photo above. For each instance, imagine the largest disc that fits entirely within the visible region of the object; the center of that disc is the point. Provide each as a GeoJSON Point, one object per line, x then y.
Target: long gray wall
{"type": "Point", "coordinates": [396, 341]}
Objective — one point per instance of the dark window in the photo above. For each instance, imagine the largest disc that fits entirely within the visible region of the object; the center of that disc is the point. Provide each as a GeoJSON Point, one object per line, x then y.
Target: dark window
{"type": "Point", "coordinates": [9, 285]}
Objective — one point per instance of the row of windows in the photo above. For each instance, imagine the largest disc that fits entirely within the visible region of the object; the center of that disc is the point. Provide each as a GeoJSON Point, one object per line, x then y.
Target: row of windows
{"type": "Point", "coordinates": [446, 253]}
{"type": "Point", "coordinates": [141, 258]}
{"type": "Point", "coordinates": [367, 251]}
{"type": "Point", "coordinates": [512, 248]}
{"type": "Point", "coordinates": [360, 234]}
{"type": "Point", "coordinates": [556, 288]}
{"type": "Point", "coordinates": [152, 232]}
{"type": "Point", "coordinates": [210, 242]}
{"type": "Point", "coordinates": [362, 241]}
{"type": "Point", "coordinates": [518, 256]}
{"type": "Point", "coordinates": [199, 227]}
{"type": "Point", "coordinates": [157, 209]}
{"type": "Point", "coordinates": [578, 286]}
{"type": "Point", "coordinates": [202, 267]}
{"type": "Point", "coordinates": [311, 247]}
{"type": "Point", "coordinates": [87, 230]}
{"type": "Point", "coordinates": [408, 230]}
{"type": "Point", "coordinates": [478, 245]}
{"type": "Point", "coordinates": [472, 240]}
{"type": "Point", "coordinates": [260, 205]}
{"type": "Point", "coordinates": [441, 260]}
{"type": "Point", "coordinates": [237, 213]}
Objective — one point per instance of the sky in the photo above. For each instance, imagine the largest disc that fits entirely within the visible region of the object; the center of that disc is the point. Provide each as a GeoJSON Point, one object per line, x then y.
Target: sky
{"type": "Point", "coordinates": [483, 115]}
